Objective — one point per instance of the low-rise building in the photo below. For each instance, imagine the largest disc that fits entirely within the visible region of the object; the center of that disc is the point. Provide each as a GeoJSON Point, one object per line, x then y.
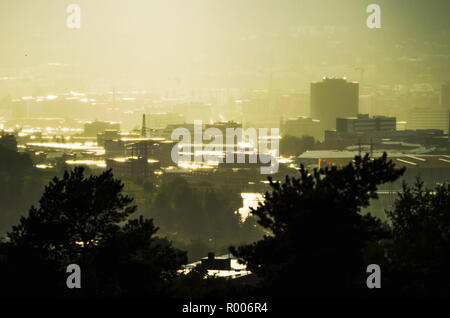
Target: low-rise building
{"type": "Point", "coordinates": [302, 126]}
{"type": "Point", "coordinates": [96, 127]}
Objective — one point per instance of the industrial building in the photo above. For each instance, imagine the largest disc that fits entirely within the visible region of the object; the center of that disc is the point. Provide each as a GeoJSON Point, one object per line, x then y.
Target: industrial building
{"type": "Point", "coordinates": [426, 118]}
{"type": "Point", "coordinates": [302, 126]}
{"type": "Point", "coordinates": [362, 124]}
{"type": "Point", "coordinates": [96, 127]}
{"type": "Point", "coordinates": [432, 169]}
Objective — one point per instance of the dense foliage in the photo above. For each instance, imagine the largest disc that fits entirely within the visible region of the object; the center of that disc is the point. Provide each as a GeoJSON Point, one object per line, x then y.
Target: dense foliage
{"type": "Point", "coordinates": [318, 235]}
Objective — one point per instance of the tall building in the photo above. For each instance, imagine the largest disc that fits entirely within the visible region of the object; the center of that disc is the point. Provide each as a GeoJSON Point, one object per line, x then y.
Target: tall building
{"type": "Point", "coordinates": [333, 98]}
{"type": "Point", "coordinates": [424, 118]}
{"type": "Point", "coordinates": [445, 96]}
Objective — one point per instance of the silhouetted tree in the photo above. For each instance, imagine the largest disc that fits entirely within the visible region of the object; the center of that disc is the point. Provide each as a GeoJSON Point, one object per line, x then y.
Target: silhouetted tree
{"type": "Point", "coordinates": [222, 222]}
{"type": "Point", "coordinates": [81, 220]}
{"type": "Point", "coordinates": [251, 231]}
{"type": "Point", "coordinates": [294, 146]}
{"type": "Point", "coordinates": [73, 212]}
{"type": "Point", "coordinates": [20, 186]}
{"type": "Point", "coordinates": [27, 272]}
{"type": "Point", "coordinates": [318, 234]}
{"type": "Point", "coordinates": [149, 187]}
{"type": "Point", "coordinates": [132, 262]}
{"type": "Point", "coordinates": [420, 252]}
{"type": "Point", "coordinates": [181, 208]}
{"type": "Point", "coordinates": [178, 208]}
{"type": "Point", "coordinates": [13, 161]}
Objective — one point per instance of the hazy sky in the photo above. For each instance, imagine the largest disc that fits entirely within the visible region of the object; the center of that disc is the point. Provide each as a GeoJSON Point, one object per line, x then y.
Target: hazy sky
{"type": "Point", "coordinates": [154, 41]}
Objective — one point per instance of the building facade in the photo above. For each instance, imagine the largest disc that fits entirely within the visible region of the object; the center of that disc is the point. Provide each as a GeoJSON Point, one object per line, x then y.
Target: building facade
{"type": "Point", "coordinates": [424, 118]}
{"type": "Point", "coordinates": [333, 98]}
{"type": "Point", "coordinates": [362, 124]}
{"type": "Point", "coordinates": [302, 126]}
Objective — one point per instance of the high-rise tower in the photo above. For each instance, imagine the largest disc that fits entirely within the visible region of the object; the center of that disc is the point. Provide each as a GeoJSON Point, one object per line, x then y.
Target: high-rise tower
{"type": "Point", "coordinates": [333, 98]}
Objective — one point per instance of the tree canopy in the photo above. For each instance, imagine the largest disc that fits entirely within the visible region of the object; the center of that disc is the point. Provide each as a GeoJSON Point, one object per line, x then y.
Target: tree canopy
{"type": "Point", "coordinates": [294, 146]}
{"type": "Point", "coordinates": [85, 220]}
{"type": "Point", "coordinates": [74, 211]}
{"type": "Point", "coordinates": [317, 233]}
{"type": "Point", "coordinates": [317, 240]}
{"type": "Point", "coordinates": [420, 253]}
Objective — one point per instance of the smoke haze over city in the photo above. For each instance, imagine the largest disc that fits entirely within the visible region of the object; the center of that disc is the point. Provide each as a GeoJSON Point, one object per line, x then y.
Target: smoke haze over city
{"type": "Point", "coordinates": [191, 153]}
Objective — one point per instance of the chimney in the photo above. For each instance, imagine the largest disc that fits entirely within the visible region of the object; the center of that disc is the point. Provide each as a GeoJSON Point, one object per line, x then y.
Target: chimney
{"type": "Point", "coordinates": [144, 127]}
{"type": "Point", "coordinates": [211, 256]}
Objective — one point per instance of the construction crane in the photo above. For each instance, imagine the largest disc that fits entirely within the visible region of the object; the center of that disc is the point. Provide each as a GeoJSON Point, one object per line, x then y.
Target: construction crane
{"type": "Point", "coordinates": [144, 127]}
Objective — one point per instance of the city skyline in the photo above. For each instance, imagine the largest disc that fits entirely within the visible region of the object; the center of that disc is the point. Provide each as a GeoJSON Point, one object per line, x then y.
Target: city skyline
{"type": "Point", "coordinates": [150, 45]}
{"type": "Point", "coordinates": [189, 150]}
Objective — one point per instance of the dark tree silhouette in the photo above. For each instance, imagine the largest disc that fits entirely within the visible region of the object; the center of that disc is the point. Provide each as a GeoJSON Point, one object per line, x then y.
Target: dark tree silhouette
{"type": "Point", "coordinates": [192, 213]}
{"type": "Point", "coordinates": [132, 262]}
{"type": "Point", "coordinates": [318, 234]}
{"type": "Point", "coordinates": [13, 161]}
{"type": "Point", "coordinates": [420, 252]}
{"type": "Point", "coordinates": [73, 212]}
{"type": "Point", "coordinates": [221, 221]}
{"type": "Point", "coordinates": [178, 208]}
{"type": "Point", "coordinates": [83, 220]}
{"type": "Point", "coordinates": [19, 186]}
{"type": "Point", "coordinates": [294, 146]}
